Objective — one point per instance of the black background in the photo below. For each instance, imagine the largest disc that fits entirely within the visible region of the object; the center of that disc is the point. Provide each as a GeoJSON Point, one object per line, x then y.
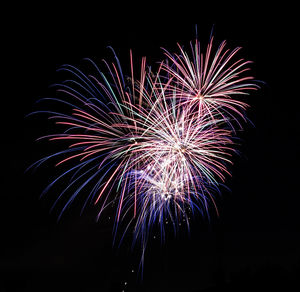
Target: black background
{"type": "Point", "coordinates": [253, 245]}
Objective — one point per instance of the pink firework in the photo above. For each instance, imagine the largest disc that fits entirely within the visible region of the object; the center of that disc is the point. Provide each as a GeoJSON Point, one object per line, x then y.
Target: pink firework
{"type": "Point", "coordinates": [209, 83]}
{"type": "Point", "coordinates": [156, 147]}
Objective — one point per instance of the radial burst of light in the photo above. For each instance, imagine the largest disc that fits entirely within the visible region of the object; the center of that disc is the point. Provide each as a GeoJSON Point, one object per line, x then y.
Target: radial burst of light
{"type": "Point", "coordinates": [209, 83]}
{"type": "Point", "coordinates": [182, 159]}
{"type": "Point", "coordinates": [156, 147]}
{"type": "Point", "coordinates": [99, 131]}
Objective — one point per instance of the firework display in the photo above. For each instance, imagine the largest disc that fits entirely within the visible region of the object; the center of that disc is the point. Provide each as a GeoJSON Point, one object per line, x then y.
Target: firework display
{"type": "Point", "coordinates": [156, 147]}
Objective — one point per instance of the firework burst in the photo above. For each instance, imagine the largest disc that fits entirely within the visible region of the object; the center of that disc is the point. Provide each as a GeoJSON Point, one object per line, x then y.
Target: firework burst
{"type": "Point", "coordinates": [209, 83]}
{"type": "Point", "coordinates": [100, 131]}
{"type": "Point", "coordinates": [181, 158]}
{"type": "Point", "coordinates": [156, 146]}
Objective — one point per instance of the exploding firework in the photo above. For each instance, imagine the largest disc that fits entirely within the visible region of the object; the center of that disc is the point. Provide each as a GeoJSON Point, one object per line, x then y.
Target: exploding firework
{"type": "Point", "coordinates": [156, 146]}
{"type": "Point", "coordinates": [100, 131]}
{"type": "Point", "coordinates": [181, 160]}
{"type": "Point", "coordinates": [209, 83]}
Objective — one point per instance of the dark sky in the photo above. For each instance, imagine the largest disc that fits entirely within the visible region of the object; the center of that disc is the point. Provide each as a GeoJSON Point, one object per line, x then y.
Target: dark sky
{"type": "Point", "coordinates": [254, 244]}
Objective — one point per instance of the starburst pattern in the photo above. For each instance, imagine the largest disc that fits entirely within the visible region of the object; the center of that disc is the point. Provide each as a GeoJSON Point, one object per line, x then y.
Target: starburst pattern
{"type": "Point", "coordinates": [156, 146]}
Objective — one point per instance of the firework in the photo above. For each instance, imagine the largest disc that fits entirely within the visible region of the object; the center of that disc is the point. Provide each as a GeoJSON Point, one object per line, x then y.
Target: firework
{"type": "Point", "coordinates": [100, 133]}
{"type": "Point", "coordinates": [154, 147]}
{"type": "Point", "coordinates": [209, 83]}
{"type": "Point", "coordinates": [181, 159]}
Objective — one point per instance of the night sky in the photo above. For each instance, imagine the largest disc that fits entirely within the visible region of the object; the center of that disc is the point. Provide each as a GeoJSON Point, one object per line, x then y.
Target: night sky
{"type": "Point", "coordinates": [255, 242]}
